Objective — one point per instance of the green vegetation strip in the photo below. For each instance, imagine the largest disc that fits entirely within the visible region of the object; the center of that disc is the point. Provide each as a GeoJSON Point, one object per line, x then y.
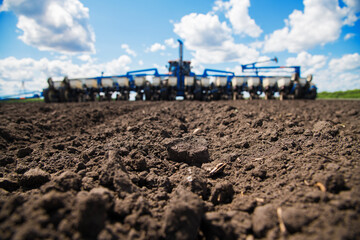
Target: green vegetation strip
{"type": "Point", "coordinates": [340, 94]}
{"type": "Point", "coordinates": [22, 100]}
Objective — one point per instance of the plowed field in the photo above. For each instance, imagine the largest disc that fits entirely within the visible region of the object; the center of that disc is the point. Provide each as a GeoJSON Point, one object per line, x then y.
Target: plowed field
{"type": "Point", "coordinates": [180, 170]}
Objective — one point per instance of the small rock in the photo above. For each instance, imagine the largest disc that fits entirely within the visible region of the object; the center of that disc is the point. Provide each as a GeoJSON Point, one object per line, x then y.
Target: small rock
{"type": "Point", "coordinates": [263, 219]}
{"type": "Point", "coordinates": [191, 151]}
{"type": "Point", "coordinates": [34, 178]}
{"type": "Point", "coordinates": [223, 193]}
{"type": "Point", "coordinates": [335, 183]}
{"type": "Point", "coordinates": [8, 184]}
{"type": "Point", "coordinates": [23, 152]}
{"type": "Point", "coordinates": [260, 173]}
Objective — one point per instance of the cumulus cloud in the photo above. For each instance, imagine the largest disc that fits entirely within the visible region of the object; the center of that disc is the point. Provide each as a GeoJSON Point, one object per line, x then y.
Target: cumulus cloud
{"type": "Point", "coordinates": [53, 25]}
{"type": "Point", "coordinates": [211, 40]}
{"type": "Point", "coordinates": [319, 23]}
{"type": "Point", "coordinates": [156, 47]}
{"type": "Point", "coordinates": [237, 11]}
{"type": "Point", "coordinates": [348, 62]}
{"type": "Point", "coordinates": [128, 50]}
{"type": "Point", "coordinates": [171, 43]}
{"type": "Point", "coordinates": [349, 35]}
{"type": "Point", "coordinates": [34, 73]}
{"type": "Point", "coordinates": [309, 63]}
{"type": "Point", "coordinates": [339, 74]}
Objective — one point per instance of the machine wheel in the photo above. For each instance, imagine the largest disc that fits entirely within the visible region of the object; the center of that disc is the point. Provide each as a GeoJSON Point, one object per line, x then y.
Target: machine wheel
{"type": "Point", "coordinates": [108, 96]}
{"type": "Point", "coordinates": [65, 96]}
{"type": "Point", "coordinates": [297, 93]}
{"type": "Point", "coordinates": [46, 95]}
{"type": "Point", "coordinates": [52, 96]}
{"type": "Point", "coordinates": [313, 94]}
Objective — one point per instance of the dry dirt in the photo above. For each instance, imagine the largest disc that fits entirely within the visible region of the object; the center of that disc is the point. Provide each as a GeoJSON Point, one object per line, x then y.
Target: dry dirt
{"type": "Point", "coordinates": [180, 170]}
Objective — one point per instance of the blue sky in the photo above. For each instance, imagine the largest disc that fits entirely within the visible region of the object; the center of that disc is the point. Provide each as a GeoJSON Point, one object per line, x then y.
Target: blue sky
{"type": "Point", "coordinates": [82, 38]}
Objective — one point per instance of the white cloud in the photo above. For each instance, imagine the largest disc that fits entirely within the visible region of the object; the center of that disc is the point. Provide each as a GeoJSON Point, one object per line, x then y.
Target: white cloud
{"type": "Point", "coordinates": [349, 35]}
{"type": "Point", "coordinates": [84, 57]}
{"type": "Point", "coordinates": [171, 43]}
{"type": "Point", "coordinates": [160, 68]}
{"type": "Point", "coordinates": [340, 74]}
{"type": "Point", "coordinates": [237, 11]}
{"type": "Point", "coordinates": [353, 7]}
{"type": "Point", "coordinates": [309, 63]}
{"type": "Point", "coordinates": [331, 81]}
{"type": "Point", "coordinates": [35, 72]}
{"type": "Point", "coordinates": [128, 50]}
{"type": "Point", "coordinates": [53, 25]}
{"type": "Point", "coordinates": [141, 62]}
{"type": "Point", "coordinates": [156, 47]}
{"type": "Point", "coordinates": [319, 24]}
{"type": "Point", "coordinates": [200, 30]}
{"type": "Point", "coordinates": [347, 62]}
{"type": "Point", "coordinates": [211, 40]}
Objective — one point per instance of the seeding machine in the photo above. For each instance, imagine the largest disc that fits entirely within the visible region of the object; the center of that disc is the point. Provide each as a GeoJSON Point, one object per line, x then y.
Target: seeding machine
{"type": "Point", "coordinates": [180, 81]}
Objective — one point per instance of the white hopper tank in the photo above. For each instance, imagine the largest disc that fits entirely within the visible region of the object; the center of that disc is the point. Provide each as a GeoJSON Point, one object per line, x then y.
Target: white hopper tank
{"type": "Point", "coordinates": [302, 81]}
{"type": "Point", "coordinates": [238, 81]}
{"type": "Point", "coordinates": [189, 81]}
{"type": "Point", "coordinates": [221, 81]}
{"type": "Point", "coordinates": [284, 82]}
{"type": "Point", "coordinates": [205, 82]}
{"type": "Point", "coordinates": [122, 81]}
{"type": "Point", "coordinates": [253, 81]}
{"type": "Point", "coordinates": [107, 82]}
{"type": "Point", "coordinates": [156, 81]}
{"type": "Point", "coordinates": [172, 81]}
{"type": "Point", "coordinates": [91, 83]}
{"type": "Point", "coordinates": [57, 84]}
{"type": "Point", "coordinates": [75, 83]}
{"type": "Point", "coordinates": [269, 82]}
{"type": "Point", "coordinates": [139, 81]}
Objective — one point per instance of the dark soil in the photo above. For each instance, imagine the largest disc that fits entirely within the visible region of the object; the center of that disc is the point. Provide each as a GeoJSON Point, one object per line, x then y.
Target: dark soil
{"type": "Point", "coordinates": [180, 170]}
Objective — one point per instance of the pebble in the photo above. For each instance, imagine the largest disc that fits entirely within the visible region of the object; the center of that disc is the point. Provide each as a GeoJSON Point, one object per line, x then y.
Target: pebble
{"type": "Point", "coordinates": [34, 178]}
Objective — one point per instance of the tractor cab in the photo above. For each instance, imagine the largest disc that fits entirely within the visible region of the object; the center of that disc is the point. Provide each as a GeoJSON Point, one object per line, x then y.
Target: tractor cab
{"type": "Point", "coordinates": [174, 66]}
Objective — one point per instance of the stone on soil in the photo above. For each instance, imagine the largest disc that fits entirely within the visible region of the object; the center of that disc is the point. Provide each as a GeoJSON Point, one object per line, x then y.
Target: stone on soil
{"type": "Point", "coordinates": [34, 178]}
{"type": "Point", "coordinates": [190, 151]}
